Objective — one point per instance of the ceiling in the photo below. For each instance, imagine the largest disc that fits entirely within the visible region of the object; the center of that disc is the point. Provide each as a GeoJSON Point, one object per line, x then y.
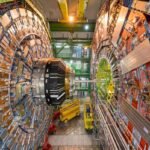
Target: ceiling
{"type": "Point", "coordinates": [60, 28]}
{"type": "Point", "coordinates": [52, 12]}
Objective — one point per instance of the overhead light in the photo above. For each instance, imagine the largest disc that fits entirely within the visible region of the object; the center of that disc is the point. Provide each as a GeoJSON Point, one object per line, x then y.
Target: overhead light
{"type": "Point", "coordinates": [71, 61]}
{"type": "Point", "coordinates": [86, 27]}
{"type": "Point", "coordinates": [58, 46]}
{"type": "Point", "coordinates": [71, 18]}
{"type": "Point", "coordinates": [85, 47]}
{"type": "Point", "coordinates": [67, 46]}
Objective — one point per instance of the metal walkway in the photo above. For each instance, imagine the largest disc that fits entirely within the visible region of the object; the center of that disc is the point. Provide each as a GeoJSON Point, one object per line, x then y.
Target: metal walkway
{"type": "Point", "coordinates": [113, 129]}
{"type": "Point", "coordinates": [75, 148]}
{"type": "Point", "coordinates": [69, 140]}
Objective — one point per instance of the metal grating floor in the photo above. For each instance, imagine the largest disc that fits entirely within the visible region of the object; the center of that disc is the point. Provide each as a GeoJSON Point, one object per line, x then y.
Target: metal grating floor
{"type": "Point", "coordinates": [77, 140]}
{"type": "Point", "coordinates": [75, 148]}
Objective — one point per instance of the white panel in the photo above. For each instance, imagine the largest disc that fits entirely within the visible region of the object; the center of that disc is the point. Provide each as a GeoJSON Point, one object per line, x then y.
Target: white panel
{"type": "Point", "coordinates": [139, 56]}
{"type": "Point", "coordinates": [22, 12]}
{"type": "Point", "coordinates": [119, 24]}
{"type": "Point", "coordinates": [14, 13]}
{"type": "Point", "coordinates": [5, 20]}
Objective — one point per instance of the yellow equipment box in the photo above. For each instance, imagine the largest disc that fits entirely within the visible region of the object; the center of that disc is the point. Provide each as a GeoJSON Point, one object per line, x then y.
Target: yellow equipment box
{"type": "Point", "coordinates": [88, 116]}
{"type": "Point", "coordinates": [70, 110]}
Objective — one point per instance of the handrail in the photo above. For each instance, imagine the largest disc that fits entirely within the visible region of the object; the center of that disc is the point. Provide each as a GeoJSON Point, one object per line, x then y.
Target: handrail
{"type": "Point", "coordinates": [124, 144]}
{"type": "Point", "coordinates": [106, 129]}
{"type": "Point", "coordinates": [138, 121]}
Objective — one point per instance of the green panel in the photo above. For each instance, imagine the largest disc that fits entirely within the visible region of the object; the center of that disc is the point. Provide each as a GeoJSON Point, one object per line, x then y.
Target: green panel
{"type": "Point", "coordinates": [82, 74]}
{"type": "Point", "coordinates": [70, 27]}
{"type": "Point", "coordinates": [82, 89]}
{"type": "Point", "coordinates": [4, 1]}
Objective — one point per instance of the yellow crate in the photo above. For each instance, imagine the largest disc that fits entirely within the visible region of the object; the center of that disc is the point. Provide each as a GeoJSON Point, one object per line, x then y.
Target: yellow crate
{"type": "Point", "coordinates": [88, 116]}
{"type": "Point", "coordinates": [70, 110]}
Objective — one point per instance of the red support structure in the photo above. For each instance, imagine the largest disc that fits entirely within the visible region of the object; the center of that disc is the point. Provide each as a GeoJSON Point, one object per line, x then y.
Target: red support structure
{"type": "Point", "coordinates": [46, 145]}
{"type": "Point", "coordinates": [143, 144]}
{"type": "Point", "coordinates": [51, 130]}
{"type": "Point", "coordinates": [56, 115]}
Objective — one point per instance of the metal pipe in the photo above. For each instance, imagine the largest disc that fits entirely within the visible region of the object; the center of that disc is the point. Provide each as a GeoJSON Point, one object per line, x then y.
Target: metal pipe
{"type": "Point", "coordinates": [106, 128]}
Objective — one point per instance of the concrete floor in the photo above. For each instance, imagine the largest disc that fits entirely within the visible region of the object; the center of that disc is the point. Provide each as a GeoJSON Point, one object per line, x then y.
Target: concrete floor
{"type": "Point", "coordinates": [72, 136]}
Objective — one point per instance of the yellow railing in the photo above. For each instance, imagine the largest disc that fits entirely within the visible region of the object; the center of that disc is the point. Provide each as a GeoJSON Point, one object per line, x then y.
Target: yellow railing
{"type": "Point", "coordinates": [88, 116]}
{"type": "Point", "coordinates": [70, 110]}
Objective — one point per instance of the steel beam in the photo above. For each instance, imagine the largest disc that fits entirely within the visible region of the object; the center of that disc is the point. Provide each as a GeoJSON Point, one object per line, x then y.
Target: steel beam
{"type": "Point", "coordinates": [82, 75]}
{"type": "Point", "coordinates": [73, 58]}
{"type": "Point", "coordinates": [74, 41]}
{"type": "Point", "coordinates": [59, 50]}
{"type": "Point", "coordinates": [64, 8]}
{"type": "Point", "coordinates": [5, 1]}
{"type": "Point", "coordinates": [71, 27]}
{"type": "Point", "coordinates": [81, 8]}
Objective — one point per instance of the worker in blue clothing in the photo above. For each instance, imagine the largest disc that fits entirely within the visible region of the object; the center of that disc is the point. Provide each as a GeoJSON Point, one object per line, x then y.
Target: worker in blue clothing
{"type": "Point", "coordinates": [88, 111]}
